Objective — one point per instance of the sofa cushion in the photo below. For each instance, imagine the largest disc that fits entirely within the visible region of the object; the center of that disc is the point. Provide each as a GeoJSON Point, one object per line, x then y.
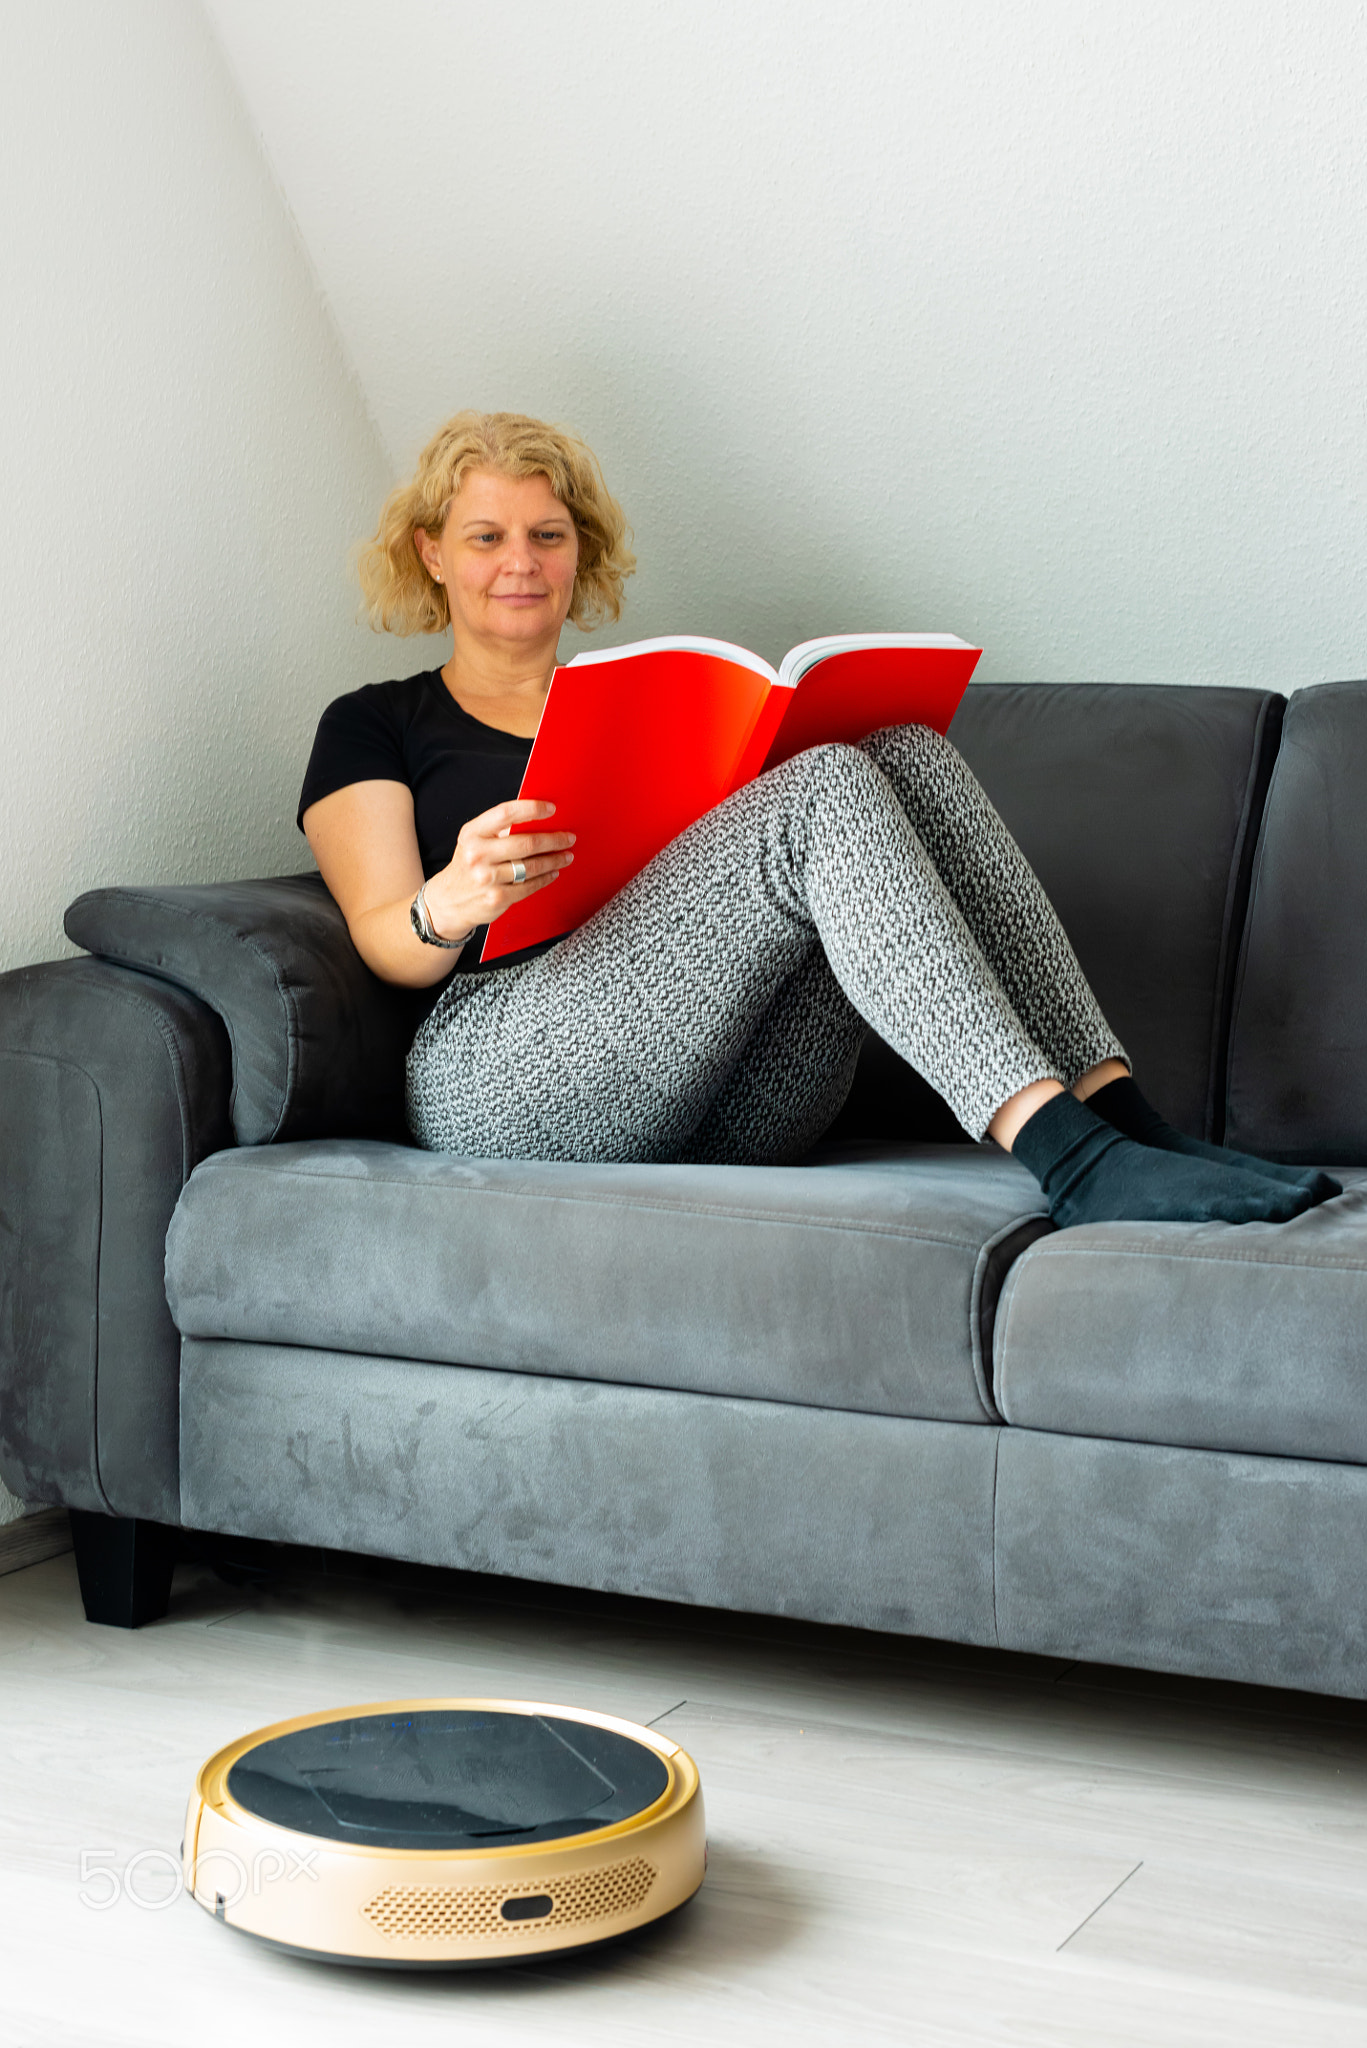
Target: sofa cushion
{"type": "Point", "coordinates": [1213, 1336]}
{"type": "Point", "coordinates": [864, 1282]}
{"type": "Point", "coordinates": [318, 1042]}
{"type": "Point", "coordinates": [1138, 807]}
{"type": "Point", "coordinates": [1298, 1056]}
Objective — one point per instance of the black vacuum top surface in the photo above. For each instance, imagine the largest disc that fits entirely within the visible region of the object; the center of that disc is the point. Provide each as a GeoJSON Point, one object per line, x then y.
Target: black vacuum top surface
{"type": "Point", "coordinates": [453, 1778]}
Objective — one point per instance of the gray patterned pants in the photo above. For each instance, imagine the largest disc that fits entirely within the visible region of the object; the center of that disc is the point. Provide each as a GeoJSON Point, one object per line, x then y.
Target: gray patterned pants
{"type": "Point", "coordinates": [715, 1008]}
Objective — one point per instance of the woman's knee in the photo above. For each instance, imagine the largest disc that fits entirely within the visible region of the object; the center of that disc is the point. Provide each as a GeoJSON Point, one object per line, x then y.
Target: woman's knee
{"type": "Point", "coordinates": [836, 764]}
{"type": "Point", "coordinates": [900, 763]}
{"type": "Point", "coordinates": [911, 745]}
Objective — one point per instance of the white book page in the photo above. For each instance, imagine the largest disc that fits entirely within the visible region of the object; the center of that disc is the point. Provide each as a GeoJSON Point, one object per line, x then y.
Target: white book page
{"type": "Point", "coordinates": [683, 643]}
{"type": "Point", "coordinates": [798, 660]}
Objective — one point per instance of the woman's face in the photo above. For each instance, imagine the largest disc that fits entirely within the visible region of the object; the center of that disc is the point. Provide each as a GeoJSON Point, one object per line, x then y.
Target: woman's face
{"type": "Point", "coordinates": [507, 555]}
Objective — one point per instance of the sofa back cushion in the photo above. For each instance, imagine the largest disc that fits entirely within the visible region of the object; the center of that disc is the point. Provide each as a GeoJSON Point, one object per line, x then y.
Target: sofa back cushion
{"type": "Point", "coordinates": [1298, 1055]}
{"type": "Point", "coordinates": [1138, 807]}
{"type": "Point", "coordinates": [318, 1043]}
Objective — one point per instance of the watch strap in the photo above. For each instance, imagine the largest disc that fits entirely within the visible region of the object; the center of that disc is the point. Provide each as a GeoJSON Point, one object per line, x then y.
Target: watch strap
{"type": "Point", "coordinates": [421, 919]}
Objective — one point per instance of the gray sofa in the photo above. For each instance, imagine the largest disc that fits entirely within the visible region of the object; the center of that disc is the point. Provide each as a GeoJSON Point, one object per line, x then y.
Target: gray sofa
{"type": "Point", "coordinates": [876, 1388]}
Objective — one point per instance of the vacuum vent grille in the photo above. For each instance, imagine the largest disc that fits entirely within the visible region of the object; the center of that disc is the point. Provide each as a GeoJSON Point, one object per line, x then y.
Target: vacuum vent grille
{"type": "Point", "coordinates": [443, 1913]}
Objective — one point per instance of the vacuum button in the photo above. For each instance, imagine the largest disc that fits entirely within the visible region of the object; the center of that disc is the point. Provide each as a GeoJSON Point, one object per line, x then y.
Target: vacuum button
{"type": "Point", "coordinates": [534, 1906]}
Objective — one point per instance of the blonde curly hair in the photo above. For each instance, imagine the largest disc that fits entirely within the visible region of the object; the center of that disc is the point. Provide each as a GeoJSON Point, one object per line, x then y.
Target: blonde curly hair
{"type": "Point", "coordinates": [400, 594]}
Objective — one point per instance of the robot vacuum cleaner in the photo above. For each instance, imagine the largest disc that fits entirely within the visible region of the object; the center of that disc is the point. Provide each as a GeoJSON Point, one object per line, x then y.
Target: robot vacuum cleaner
{"type": "Point", "coordinates": [440, 1834]}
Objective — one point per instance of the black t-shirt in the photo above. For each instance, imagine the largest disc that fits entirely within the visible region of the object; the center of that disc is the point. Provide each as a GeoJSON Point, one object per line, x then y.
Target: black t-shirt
{"type": "Point", "coordinates": [414, 732]}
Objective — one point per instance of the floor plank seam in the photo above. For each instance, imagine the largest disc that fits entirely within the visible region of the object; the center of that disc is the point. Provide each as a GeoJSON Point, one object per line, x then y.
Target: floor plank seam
{"type": "Point", "coordinates": [1097, 1908]}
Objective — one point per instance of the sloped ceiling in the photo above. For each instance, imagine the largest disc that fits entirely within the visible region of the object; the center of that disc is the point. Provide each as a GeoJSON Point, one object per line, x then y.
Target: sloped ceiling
{"type": "Point", "coordinates": [1038, 324]}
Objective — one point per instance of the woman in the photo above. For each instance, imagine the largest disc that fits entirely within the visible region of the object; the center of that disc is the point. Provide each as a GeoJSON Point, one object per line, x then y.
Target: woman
{"type": "Point", "coordinates": [715, 1008]}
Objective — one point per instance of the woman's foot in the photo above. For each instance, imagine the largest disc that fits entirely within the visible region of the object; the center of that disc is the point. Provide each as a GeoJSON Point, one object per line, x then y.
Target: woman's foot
{"type": "Point", "coordinates": [1091, 1174]}
{"type": "Point", "coordinates": [1130, 1112]}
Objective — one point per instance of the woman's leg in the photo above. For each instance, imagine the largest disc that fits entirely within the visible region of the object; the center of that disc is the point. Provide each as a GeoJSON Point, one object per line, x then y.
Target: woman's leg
{"type": "Point", "coordinates": [791, 1080]}
{"type": "Point", "coordinates": [616, 1045]}
{"type": "Point", "coordinates": [1015, 924]}
{"type": "Point", "coordinates": [1000, 896]}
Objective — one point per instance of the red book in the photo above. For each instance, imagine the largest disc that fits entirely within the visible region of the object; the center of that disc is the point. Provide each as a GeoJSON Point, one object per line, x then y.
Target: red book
{"type": "Point", "coordinates": [636, 742]}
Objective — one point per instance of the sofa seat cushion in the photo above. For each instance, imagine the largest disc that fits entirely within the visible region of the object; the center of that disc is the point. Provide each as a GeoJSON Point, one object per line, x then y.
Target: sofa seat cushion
{"type": "Point", "coordinates": [1217, 1337]}
{"type": "Point", "coordinates": [865, 1281]}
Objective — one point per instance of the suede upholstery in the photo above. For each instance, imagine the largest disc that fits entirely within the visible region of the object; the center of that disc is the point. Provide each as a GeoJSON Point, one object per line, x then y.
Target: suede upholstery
{"type": "Point", "coordinates": [1178, 1560]}
{"type": "Point", "coordinates": [113, 1087]}
{"type": "Point", "coordinates": [1298, 1053]}
{"type": "Point", "coordinates": [746, 1504]}
{"type": "Point", "coordinates": [1247, 1338]}
{"type": "Point", "coordinates": [862, 1284]}
{"type": "Point", "coordinates": [318, 1042]}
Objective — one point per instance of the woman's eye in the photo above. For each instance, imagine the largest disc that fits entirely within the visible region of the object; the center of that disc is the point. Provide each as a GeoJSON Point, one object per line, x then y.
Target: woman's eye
{"type": "Point", "coordinates": [494, 536]}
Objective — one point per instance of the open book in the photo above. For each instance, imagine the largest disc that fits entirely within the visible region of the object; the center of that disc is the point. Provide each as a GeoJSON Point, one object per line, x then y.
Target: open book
{"type": "Point", "coordinates": [636, 742]}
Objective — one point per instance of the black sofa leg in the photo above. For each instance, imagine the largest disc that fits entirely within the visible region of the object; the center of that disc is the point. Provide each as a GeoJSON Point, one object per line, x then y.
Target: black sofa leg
{"type": "Point", "coordinates": [124, 1568]}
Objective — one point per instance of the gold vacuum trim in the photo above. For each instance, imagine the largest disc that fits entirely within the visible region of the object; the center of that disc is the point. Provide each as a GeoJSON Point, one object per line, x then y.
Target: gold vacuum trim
{"type": "Point", "coordinates": [417, 1912]}
{"type": "Point", "coordinates": [433, 1906]}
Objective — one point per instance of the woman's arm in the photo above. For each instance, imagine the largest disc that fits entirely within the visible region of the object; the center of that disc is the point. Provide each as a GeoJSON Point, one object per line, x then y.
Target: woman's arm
{"type": "Point", "coordinates": [366, 845]}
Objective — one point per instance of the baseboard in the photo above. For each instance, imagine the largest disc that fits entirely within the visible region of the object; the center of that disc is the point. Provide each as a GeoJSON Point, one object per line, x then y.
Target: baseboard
{"type": "Point", "coordinates": [33, 1538]}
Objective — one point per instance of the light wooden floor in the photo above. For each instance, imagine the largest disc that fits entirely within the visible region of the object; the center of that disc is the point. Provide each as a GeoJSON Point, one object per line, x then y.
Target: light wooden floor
{"type": "Point", "coordinates": [908, 1843]}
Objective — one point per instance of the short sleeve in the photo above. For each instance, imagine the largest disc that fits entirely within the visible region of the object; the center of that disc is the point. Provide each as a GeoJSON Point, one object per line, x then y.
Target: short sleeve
{"type": "Point", "coordinates": [358, 740]}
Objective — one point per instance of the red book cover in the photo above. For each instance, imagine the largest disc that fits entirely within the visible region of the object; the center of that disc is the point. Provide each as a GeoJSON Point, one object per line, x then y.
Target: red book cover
{"type": "Point", "coordinates": [636, 742]}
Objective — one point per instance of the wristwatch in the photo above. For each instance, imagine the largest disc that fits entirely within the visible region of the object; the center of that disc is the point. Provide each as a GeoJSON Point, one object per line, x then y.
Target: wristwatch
{"type": "Point", "coordinates": [421, 918]}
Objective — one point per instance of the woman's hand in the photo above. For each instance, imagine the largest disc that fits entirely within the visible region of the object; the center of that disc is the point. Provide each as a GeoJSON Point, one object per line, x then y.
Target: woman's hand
{"type": "Point", "coordinates": [366, 845]}
{"type": "Point", "coordinates": [477, 885]}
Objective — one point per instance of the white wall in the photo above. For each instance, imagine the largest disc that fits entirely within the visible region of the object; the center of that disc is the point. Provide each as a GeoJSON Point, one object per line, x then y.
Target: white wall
{"type": "Point", "coordinates": [1039, 322]}
{"type": "Point", "coordinates": [186, 461]}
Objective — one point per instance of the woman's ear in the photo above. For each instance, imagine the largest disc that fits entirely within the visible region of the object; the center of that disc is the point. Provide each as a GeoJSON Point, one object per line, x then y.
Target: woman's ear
{"type": "Point", "coordinates": [429, 552]}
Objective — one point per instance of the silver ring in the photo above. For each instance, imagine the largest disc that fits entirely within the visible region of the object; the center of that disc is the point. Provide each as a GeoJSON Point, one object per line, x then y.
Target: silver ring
{"type": "Point", "coordinates": [519, 871]}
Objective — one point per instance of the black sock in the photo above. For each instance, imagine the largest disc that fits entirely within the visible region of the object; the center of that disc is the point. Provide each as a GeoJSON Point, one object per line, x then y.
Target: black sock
{"type": "Point", "coordinates": [1091, 1174]}
{"type": "Point", "coordinates": [1131, 1113]}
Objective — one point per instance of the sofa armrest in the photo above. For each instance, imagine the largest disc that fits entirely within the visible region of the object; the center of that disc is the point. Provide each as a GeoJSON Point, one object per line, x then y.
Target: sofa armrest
{"type": "Point", "coordinates": [113, 1087]}
{"type": "Point", "coordinates": [318, 1041]}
